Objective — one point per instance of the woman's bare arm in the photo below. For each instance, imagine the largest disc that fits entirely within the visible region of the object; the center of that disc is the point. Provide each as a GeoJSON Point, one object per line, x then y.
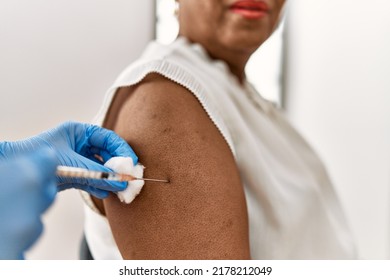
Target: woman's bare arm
{"type": "Point", "coordinates": [201, 213]}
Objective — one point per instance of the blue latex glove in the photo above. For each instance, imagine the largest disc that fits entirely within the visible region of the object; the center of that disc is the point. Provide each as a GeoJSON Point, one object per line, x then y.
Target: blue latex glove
{"type": "Point", "coordinates": [27, 189]}
{"type": "Point", "coordinates": [76, 144]}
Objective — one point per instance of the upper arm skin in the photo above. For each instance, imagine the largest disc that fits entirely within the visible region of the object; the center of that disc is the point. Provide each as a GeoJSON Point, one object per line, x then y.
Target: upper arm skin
{"type": "Point", "coordinates": [201, 213]}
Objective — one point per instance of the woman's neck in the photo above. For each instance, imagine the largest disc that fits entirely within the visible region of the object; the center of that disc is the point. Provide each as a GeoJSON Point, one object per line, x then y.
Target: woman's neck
{"type": "Point", "coordinates": [235, 60]}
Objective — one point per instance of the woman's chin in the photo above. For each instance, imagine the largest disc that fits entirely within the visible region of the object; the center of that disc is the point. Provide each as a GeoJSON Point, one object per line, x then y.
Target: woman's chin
{"type": "Point", "coordinates": [245, 43]}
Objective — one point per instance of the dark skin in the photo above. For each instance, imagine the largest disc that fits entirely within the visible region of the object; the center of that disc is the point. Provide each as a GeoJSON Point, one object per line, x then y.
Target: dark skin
{"type": "Point", "coordinates": [201, 213]}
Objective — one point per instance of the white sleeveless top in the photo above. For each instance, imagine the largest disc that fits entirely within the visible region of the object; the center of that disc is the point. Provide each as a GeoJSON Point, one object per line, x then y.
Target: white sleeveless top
{"type": "Point", "coordinates": [292, 207]}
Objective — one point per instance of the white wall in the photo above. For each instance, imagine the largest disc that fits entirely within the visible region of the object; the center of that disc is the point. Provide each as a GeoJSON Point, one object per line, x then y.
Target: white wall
{"type": "Point", "coordinates": [57, 58]}
{"type": "Point", "coordinates": [338, 95]}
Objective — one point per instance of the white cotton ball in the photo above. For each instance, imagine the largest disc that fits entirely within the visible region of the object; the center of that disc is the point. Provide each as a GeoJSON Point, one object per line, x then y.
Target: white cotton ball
{"type": "Point", "coordinates": [124, 165]}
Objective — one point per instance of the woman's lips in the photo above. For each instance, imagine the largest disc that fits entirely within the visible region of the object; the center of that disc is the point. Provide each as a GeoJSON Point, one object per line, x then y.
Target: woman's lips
{"type": "Point", "coordinates": [250, 9]}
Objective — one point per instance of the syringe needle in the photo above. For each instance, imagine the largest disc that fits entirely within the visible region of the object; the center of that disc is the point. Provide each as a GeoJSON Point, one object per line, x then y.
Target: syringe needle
{"type": "Point", "coordinates": [153, 180]}
{"type": "Point", "coordinates": [131, 178]}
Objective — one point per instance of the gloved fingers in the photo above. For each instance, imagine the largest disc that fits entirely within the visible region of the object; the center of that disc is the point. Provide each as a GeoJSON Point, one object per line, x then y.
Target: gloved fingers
{"type": "Point", "coordinates": [86, 140]}
{"type": "Point", "coordinates": [4, 146]}
{"type": "Point", "coordinates": [104, 156]}
{"type": "Point", "coordinates": [81, 183]}
{"type": "Point", "coordinates": [101, 156]}
{"type": "Point", "coordinates": [87, 184]}
{"type": "Point", "coordinates": [109, 143]}
{"type": "Point", "coordinates": [11, 150]}
{"type": "Point", "coordinates": [98, 155]}
{"type": "Point", "coordinates": [98, 193]}
{"type": "Point", "coordinates": [93, 154]}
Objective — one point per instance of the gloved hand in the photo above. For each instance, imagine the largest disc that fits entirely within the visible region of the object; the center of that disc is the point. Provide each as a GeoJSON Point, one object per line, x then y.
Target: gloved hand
{"type": "Point", "coordinates": [27, 189]}
{"type": "Point", "coordinates": [76, 144]}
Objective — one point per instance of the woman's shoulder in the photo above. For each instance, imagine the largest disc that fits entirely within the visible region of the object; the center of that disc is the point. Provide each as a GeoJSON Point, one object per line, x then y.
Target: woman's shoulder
{"type": "Point", "coordinates": [175, 139]}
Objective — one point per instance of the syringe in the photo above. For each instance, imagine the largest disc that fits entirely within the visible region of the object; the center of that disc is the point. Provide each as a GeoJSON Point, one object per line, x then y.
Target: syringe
{"type": "Point", "coordinates": [76, 172]}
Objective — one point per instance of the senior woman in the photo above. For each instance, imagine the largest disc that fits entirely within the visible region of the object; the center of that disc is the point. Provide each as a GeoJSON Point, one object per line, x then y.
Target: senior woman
{"type": "Point", "coordinates": [243, 183]}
